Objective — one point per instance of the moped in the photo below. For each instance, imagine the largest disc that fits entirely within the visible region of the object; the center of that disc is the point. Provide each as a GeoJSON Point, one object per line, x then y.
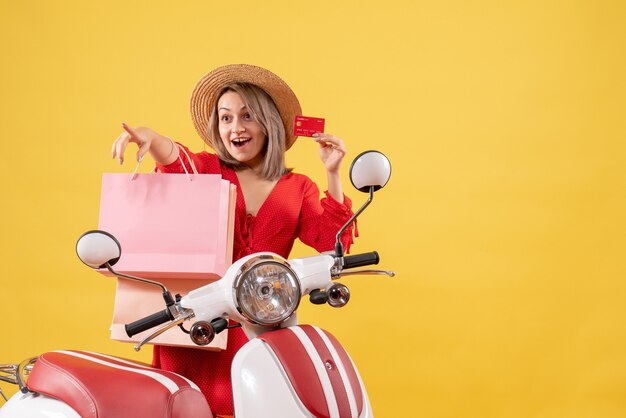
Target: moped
{"type": "Point", "coordinates": [285, 370]}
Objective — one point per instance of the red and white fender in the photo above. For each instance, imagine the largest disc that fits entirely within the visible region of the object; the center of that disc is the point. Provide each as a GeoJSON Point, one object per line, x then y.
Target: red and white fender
{"type": "Point", "coordinates": [301, 369]}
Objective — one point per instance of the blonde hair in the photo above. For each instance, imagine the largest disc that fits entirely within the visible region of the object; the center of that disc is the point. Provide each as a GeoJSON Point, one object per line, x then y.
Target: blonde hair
{"type": "Point", "coordinates": [265, 113]}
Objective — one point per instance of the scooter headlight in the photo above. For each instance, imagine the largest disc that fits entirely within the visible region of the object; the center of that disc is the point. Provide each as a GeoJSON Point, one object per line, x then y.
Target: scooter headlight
{"type": "Point", "coordinates": [266, 290]}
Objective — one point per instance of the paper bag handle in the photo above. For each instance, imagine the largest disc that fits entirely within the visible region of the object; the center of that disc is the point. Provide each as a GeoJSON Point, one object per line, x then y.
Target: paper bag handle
{"type": "Point", "coordinates": [191, 163]}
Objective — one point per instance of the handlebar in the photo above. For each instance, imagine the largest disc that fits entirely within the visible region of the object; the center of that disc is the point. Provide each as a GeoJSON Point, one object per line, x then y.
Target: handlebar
{"type": "Point", "coordinates": [360, 260]}
{"type": "Point", "coordinates": [161, 317]}
{"type": "Point", "coordinates": [148, 322]}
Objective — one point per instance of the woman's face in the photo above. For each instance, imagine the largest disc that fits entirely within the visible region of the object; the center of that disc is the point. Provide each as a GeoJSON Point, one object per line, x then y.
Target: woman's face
{"type": "Point", "coordinates": [242, 136]}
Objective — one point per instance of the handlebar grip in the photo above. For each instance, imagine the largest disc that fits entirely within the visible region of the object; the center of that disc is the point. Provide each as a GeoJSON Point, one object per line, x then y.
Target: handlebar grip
{"type": "Point", "coordinates": [360, 260]}
{"type": "Point", "coordinates": [148, 322]}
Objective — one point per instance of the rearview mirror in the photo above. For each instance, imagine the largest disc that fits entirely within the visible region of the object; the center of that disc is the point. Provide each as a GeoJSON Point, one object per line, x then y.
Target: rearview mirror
{"type": "Point", "coordinates": [370, 169]}
{"type": "Point", "coordinates": [98, 248]}
{"type": "Point", "coordinates": [101, 250]}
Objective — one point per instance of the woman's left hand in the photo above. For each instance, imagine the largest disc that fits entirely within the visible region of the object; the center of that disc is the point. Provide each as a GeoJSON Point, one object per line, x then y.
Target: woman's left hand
{"type": "Point", "coordinates": [332, 151]}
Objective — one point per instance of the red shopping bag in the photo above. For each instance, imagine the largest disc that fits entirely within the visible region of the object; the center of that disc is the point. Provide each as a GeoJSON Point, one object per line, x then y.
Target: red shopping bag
{"type": "Point", "coordinates": [173, 228]}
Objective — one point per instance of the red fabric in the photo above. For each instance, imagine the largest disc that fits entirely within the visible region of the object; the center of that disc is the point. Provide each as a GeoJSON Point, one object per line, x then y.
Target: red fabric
{"type": "Point", "coordinates": [292, 210]}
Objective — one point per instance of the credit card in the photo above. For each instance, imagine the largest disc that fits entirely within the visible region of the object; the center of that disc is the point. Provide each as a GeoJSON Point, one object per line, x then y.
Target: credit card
{"type": "Point", "coordinates": [307, 126]}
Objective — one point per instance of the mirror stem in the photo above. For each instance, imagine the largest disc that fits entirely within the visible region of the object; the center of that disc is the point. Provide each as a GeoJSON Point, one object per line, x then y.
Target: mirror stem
{"type": "Point", "coordinates": [338, 244]}
{"type": "Point", "coordinates": [167, 296]}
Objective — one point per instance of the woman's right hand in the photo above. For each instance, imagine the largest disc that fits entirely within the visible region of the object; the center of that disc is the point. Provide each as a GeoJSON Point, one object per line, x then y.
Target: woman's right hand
{"type": "Point", "coordinates": [139, 136]}
{"type": "Point", "coordinates": [162, 149]}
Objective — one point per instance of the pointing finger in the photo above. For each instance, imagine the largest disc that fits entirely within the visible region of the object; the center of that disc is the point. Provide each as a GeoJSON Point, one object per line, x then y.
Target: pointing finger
{"type": "Point", "coordinates": [132, 132]}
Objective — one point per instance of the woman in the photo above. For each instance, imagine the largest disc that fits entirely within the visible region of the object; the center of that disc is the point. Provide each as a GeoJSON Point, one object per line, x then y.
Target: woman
{"type": "Point", "coordinates": [246, 114]}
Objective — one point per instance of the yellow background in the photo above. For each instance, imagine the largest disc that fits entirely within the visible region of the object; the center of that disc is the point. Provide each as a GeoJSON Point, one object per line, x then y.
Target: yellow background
{"type": "Point", "coordinates": [504, 217]}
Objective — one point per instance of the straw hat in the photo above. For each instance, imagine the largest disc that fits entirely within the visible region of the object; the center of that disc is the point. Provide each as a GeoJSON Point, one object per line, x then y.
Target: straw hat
{"type": "Point", "coordinates": [204, 96]}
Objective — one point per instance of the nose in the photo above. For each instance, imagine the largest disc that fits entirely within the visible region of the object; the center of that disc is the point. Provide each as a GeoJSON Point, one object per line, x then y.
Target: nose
{"type": "Point", "coordinates": [238, 127]}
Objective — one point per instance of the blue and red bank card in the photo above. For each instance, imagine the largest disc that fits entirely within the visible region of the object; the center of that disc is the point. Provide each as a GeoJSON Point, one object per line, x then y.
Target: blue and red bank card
{"type": "Point", "coordinates": [307, 126]}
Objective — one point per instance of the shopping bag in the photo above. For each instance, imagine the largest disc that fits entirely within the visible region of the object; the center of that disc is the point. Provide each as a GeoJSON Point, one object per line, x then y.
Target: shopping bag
{"type": "Point", "coordinates": [134, 300]}
{"type": "Point", "coordinates": [169, 225]}
{"type": "Point", "coordinates": [176, 229]}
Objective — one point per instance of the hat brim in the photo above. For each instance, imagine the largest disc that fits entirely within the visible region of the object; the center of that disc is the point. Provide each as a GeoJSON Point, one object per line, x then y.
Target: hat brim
{"type": "Point", "coordinates": [204, 96]}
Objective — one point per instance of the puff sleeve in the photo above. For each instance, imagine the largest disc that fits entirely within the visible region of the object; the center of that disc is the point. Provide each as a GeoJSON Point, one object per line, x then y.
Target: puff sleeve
{"type": "Point", "coordinates": [320, 220]}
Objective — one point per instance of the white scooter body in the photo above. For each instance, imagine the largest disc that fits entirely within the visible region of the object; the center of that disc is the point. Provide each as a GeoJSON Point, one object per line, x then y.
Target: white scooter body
{"type": "Point", "coordinates": [264, 377]}
{"type": "Point", "coordinates": [34, 405]}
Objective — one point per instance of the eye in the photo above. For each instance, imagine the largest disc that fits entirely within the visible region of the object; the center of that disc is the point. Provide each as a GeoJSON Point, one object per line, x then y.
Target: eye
{"type": "Point", "coordinates": [247, 116]}
{"type": "Point", "coordinates": [225, 118]}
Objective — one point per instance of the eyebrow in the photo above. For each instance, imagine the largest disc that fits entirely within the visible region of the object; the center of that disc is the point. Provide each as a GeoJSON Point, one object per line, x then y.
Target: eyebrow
{"type": "Point", "coordinates": [225, 108]}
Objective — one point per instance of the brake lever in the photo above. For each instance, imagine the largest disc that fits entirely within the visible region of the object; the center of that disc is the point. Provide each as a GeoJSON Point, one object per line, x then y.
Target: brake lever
{"type": "Point", "coordinates": [367, 272]}
{"type": "Point", "coordinates": [188, 314]}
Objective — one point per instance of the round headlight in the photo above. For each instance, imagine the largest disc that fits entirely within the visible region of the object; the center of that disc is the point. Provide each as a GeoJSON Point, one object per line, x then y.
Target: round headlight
{"type": "Point", "coordinates": [266, 290]}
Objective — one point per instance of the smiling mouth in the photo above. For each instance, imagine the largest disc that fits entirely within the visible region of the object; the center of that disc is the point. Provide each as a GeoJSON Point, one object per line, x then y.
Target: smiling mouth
{"type": "Point", "coordinates": [240, 142]}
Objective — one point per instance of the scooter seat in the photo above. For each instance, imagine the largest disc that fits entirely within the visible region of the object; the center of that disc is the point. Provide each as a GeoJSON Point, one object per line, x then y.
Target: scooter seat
{"type": "Point", "coordinates": [100, 386]}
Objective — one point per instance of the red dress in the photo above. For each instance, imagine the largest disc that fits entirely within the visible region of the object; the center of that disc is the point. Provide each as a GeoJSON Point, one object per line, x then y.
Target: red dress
{"type": "Point", "coordinates": [292, 210]}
